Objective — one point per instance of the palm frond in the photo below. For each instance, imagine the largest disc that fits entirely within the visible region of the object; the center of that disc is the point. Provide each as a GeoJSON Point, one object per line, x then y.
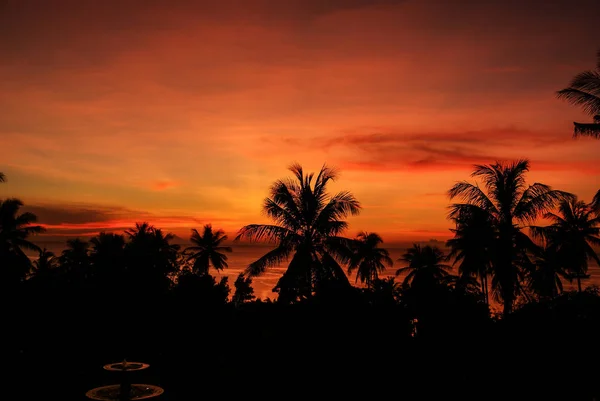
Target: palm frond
{"type": "Point", "coordinates": [590, 104]}
{"type": "Point", "coordinates": [536, 200]}
{"type": "Point", "coordinates": [586, 129]}
{"type": "Point", "coordinates": [264, 233]}
{"type": "Point", "coordinates": [587, 81]}
{"type": "Point", "coordinates": [271, 259]}
{"type": "Point", "coordinates": [473, 195]}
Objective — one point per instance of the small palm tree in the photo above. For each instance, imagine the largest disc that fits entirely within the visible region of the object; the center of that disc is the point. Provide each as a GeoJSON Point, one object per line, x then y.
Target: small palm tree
{"type": "Point", "coordinates": [546, 274]}
{"type": "Point", "coordinates": [573, 233]}
{"type": "Point", "coordinates": [425, 266]}
{"type": "Point", "coordinates": [45, 264]}
{"type": "Point", "coordinates": [15, 229]}
{"type": "Point", "coordinates": [207, 250]}
{"type": "Point", "coordinates": [308, 227]}
{"type": "Point", "coordinates": [368, 259]}
{"type": "Point", "coordinates": [584, 91]}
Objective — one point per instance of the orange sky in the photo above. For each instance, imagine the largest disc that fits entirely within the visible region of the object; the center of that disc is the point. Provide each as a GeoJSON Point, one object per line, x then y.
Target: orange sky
{"type": "Point", "coordinates": [183, 114]}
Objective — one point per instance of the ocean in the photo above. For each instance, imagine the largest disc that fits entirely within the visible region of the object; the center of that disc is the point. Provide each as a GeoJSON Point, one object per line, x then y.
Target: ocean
{"type": "Point", "coordinates": [244, 254]}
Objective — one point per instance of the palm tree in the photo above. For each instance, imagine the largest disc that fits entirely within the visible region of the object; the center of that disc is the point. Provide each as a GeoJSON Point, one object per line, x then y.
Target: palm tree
{"type": "Point", "coordinates": [151, 258]}
{"type": "Point", "coordinates": [308, 225]}
{"type": "Point", "coordinates": [75, 262]}
{"type": "Point", "coordinates": [207, 250]}
{"type": "Point", "coordinates": [45, 263]}
{"type": "Point", "coordinates": [15, 230]}
{"type": "Point", "coordinates": [107, 257]}
{"type": "Point", "coordinates": [584, 91]}
{"type": "Point", "coordinates": [573, 233]}
{"type": "Point", "coordinates": [508, 204]}
{"type": "Point", "coordinates": [425, 267]}
{"type": "Point", "coordinates": [368, 258]}
{"type": "Point", "coordinates": [546, 272]}
{"type": "Point", "coordinates": [472, 247]}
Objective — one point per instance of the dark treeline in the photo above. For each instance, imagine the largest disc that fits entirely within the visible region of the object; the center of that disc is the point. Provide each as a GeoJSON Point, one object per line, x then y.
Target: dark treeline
{"type": "Point", "coordinates": [426, 333]}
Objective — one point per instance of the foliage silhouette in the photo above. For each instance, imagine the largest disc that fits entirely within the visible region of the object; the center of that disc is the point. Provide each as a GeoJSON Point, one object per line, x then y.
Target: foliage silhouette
{"type": "Point", "coordinates": [506, 206]}
{"type": "Point", "coordinates": [308, 224]}
{"type": "Point", "coordinates": [243, 290]}
{"type": "Point", "coordinates": [584, 91]}
{"type": "Point", "coordinates": [368, 259]}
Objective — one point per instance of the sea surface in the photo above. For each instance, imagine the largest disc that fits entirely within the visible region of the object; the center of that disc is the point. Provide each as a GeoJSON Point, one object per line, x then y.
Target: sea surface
{"type": "Point", "coordinates": [244, 254]}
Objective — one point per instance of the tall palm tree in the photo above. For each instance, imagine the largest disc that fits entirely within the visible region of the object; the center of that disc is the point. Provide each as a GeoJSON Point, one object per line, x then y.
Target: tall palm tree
{"type": "Point", "coordinates": [573, 233]}
{"type": "Point", "coordinates": [308, 225]}
{"type": "Point", "coordinates": [584, 91]}
{"type": "Point", "coordinates": [15, 229]}
{"type": "Point", "coordinates": [425, 266]}
{"type": "Point", "coordinates": [506, 205]}
{"type": "Point", "coordinates": [207, 250]}
{"type": "Point", "coordinates": [368, 259]}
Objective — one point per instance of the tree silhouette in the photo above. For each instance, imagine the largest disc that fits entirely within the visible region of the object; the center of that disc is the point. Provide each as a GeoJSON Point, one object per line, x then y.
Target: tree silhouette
{"type": "Point", "coordinates": [546, 273]}
{"type": "Point", "coordinates": [368, 259]}
{"type": "Point", "coordinates": [151, 259]}
{"type": "Point", "coordinates": [584, 91]}
{"type": "Point", "coordinates": [243, 290]}
{"type": "Point", "coordinates": [45, 263]}
{"type": "Point", "coordinates": [308, 224]}
{"type": "Point", "coordinates": [75, 262]}
{"type": "Point", "coordinates": [107, 257]}
{"type": "Point", "coordinates": [207, 250]}
{"type": "Point", "coordinates": [508, 204]}
{"type": "Point", "coordinates": [572, 234]}
{"type": "Point", "coordinates": [425, 267]}
{"type": "Point", "coordinates": [473, 246]}
{"type": "Point", "coordinates": [15, 229]}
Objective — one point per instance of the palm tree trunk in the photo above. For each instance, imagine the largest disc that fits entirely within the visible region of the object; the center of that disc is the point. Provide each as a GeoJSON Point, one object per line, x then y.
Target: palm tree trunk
{"type": "Point", "coordinates": [579, 283]}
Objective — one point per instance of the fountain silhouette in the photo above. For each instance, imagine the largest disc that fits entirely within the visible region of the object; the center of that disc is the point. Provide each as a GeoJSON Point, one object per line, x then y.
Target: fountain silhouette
{"type": "Point", "coordinates": [125, 390]}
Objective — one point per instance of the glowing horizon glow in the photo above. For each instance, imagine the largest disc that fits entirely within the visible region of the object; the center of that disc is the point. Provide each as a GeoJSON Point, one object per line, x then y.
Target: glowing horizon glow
{"type": "Point", "coordinates": [184, 114]}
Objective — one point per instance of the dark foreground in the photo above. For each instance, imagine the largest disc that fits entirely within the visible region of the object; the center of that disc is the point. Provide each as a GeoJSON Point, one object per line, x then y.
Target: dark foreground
{"type": "Point", "coordinates": [271, 352]}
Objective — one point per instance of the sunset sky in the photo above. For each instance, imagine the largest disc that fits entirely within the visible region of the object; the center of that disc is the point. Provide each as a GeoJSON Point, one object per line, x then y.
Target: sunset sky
{"type": "Point", "coordinates": [184, 113]}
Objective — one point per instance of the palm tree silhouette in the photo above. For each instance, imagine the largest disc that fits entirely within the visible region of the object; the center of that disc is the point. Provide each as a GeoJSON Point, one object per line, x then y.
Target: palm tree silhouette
{"type": "Point", "coordinates": [308, 224]}
{"type": "Point", "coordinates": [584, 91]}
{"type": "Point", "coordinates": [508, 204]}
{"type": "Point", "coordinates": [45, 265]}
{"type": "Point", "coordinates": [15, 230]}
{"type": "Point", "coordinates": [75, 261]}
{"type": "Point", "coordinates": [572, 233]}
{"type": "Point", "coordinates": [368, 259]}
{"type": "Point", "coordinates": [471, 247]}
{"type": "Point", "coordinates": [150, 257]}
{"type": "Point", "coordinates": [545, 275]}
{"type": "Point", "coordinates": [107, 257]}
{"type": "Point", "coordinates": [207, 250]}
{"type": "Point", "coordinates": [425, 266]}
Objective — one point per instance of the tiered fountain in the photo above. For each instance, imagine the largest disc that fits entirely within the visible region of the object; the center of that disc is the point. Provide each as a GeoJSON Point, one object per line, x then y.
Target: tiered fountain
{"type": "Point", "coordinates": [125, 390]}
